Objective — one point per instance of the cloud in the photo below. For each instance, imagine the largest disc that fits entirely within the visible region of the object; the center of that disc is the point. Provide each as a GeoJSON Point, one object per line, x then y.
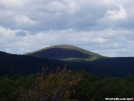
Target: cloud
{"type": "Point", "coordinates": [64, 14]}
{"type": "Point", "coordinates": [23, 21]}
{"type": "Point", "coordinates": [104, 27]}
{"type": "Point", "coordinates": [107, 42]}
{"type": "Point", "coordinates": [120, 14]}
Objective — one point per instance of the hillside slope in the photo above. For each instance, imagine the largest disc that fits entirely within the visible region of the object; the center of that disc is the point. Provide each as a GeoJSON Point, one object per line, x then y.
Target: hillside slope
{"type": "Point", "coordinates": [65, 52]}
{"type": "Point", "coordinates": [11, 64]}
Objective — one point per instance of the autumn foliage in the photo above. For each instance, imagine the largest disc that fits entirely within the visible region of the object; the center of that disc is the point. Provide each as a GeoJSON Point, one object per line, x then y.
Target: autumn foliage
{"type": "Point", "coordinates": [57, 86]}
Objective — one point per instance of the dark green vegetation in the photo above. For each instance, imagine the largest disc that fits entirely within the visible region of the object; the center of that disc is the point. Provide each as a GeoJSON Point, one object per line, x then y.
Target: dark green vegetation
{"type": "Point", "coordinates": [64, 86]}
{"type": "Point", "coordinates": [104, 77]}
{"type": "Point", "coordinates": [65, 52]}
{"type": "Point", "coordinates": [11, 64]}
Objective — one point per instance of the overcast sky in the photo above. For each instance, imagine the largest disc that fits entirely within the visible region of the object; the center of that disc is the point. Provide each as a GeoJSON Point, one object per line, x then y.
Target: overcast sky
{"type": "Point", "coordinates": [102, 26]}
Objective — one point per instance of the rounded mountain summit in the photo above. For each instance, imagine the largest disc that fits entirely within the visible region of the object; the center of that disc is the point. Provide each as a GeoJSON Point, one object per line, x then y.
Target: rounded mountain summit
{"type": "Point", "coordinates": [65, 52]}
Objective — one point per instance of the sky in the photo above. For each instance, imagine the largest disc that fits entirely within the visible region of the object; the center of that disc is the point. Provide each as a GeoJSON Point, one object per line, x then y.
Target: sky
{"type": "Point", "coordinates": [105, 27]}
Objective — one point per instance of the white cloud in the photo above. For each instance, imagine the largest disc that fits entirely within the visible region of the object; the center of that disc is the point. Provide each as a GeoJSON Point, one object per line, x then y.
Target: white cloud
{"type": "Point", "coordinates": [24, 21]}
{"type": "Point", "coordinates": [105, 27]}
{"type": "Point", "coordinates": [107, 42]}
{"type": "Point", "coordinates": [64, 14]}
{"type": "Point", "coordinates": [120, 14]}
{"type": "Point", "coordinates": [99, 40]}
{"type": "Point", "coordinates": [14, 4]}
{"type": "Point", "coordinates": [7, 33]}
{"type": "Point", "coordinates": [73, 6]}
{"type": "Point", "coordinates": [67, 6]}
{"type": "Point", "coordinates": [117, 2]}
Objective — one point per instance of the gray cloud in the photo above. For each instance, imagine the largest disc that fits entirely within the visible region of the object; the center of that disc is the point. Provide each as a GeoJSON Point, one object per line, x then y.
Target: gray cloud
{"type": "Point", "coordinates": [62, 14]}
{"type": "Point", "coordinates": [107, 42]}
{"type": "Point", "coordinates": [104, 27]}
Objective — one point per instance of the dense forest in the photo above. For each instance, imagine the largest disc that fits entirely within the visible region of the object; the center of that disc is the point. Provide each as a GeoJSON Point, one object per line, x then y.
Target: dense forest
{"type": "Point", "coordinates": [11, 64]}
{"type": "Point", "coordinates": [94, 78]}
{"type": "Point", "coordinates": [65, 85]}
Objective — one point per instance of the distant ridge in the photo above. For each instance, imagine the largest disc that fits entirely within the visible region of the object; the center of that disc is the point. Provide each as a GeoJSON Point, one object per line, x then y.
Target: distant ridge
{"type": "Point", "coordinates": [11, 64]}
{"type": "Point", "coordinates": [65, 52]}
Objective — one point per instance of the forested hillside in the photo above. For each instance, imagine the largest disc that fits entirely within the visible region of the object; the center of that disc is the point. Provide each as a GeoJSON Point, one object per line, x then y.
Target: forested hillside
{"type": "Point", "coordinates": [11, 64]}
{"type": "Point", "coordinates": [64, 85]}
{"type": "Point", "coordinates": [30, 78]}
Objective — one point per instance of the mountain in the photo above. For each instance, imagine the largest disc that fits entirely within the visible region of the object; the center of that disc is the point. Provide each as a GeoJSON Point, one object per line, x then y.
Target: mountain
{"type": "Point", "coordinates": [65, 52]}
{"type": "Point", "coordinates": [12, 64]}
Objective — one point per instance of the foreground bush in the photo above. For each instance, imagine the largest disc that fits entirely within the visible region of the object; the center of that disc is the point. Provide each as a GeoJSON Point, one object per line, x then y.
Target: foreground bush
{"type": "Point", "coordinates": [56, 86]}
{"type": "Point", "coordinates": [64, 85]}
